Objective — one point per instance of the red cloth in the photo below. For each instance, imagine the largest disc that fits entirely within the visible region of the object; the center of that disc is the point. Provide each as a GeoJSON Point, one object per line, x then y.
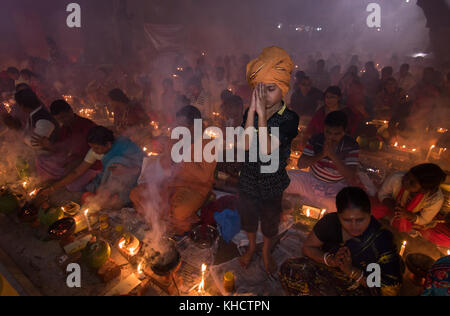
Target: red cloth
{"type": "Point", "coordinates": [219, 205]}
{"type": "Point", "coordinates": [74, 137]}
{"type": "Point", "coordinates": [402, 224]}
{"type": "Point", "coordinates": [439, 235]}
{"type": "Point", "coordinates": [317, 123]}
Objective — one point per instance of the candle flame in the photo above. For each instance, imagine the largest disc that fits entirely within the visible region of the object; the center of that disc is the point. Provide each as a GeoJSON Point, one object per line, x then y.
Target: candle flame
{"type": "Point", "coordinates": [33, 193]}
{"type": "Point", "coordinates": [404, 242]}
{"type": "Point", "coordinates": [308, 212]}
{"type": "Point", "coordinates": [448, 252]}
{"type": "Point", "coordinates": [323, 212]}
{"type": "Point", "coordinates": [7, 107]}
{"type": "Point", "coordinates": [139, 269]}
{"type": "Point", "coordinates": [396, 144]}
{"type": "Point", "coordinates": [121, 244]}
{"type": "Point", "coordinates": [201, 286]}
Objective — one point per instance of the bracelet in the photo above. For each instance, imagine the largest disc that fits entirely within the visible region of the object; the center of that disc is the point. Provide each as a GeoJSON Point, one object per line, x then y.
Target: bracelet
{"type": "Point", "coordinates": [360, 277]}
{"type": "Point", "coordinates": [325, 256]}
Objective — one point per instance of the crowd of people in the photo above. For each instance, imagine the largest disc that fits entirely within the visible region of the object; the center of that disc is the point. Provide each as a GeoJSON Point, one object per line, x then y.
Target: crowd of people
{"type": "Point", "coordinates": [105, 158]}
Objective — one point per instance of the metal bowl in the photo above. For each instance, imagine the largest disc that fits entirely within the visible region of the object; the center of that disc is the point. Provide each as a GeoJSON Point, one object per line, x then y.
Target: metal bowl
{"type": "Point", "coordinates": [164, 263]}
{"type": "Point", "coordinates": [62, 228]}
{"type": "Point", "coordinates": [204, 236]}
{"type": "Point", "coordinates": [419, 264]}
{"type": "Point", "coordinates": [28, 213]}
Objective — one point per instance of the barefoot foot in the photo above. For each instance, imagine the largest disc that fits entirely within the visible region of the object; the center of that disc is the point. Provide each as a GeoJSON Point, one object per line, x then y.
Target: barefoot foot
{"type": "Point", "coordinates": [246, 258]}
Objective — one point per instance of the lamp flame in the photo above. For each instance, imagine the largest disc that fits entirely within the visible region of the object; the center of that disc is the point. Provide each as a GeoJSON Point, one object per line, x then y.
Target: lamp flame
{"type": "Point", "coordinates": [201, 286]}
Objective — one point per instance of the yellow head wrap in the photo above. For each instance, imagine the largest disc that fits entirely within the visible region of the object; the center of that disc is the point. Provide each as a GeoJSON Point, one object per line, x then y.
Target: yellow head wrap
{"type": "Point", "coordinates": [273, 65]}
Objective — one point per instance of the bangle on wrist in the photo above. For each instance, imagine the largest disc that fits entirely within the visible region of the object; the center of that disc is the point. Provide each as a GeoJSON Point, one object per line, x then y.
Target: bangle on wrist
{"type": "Point", "coordinates": [325, 257]}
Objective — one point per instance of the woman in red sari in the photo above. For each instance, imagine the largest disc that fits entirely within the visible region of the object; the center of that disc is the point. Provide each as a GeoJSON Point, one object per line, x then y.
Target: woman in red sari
{"type": "Point", "coordinates": [412, 199]}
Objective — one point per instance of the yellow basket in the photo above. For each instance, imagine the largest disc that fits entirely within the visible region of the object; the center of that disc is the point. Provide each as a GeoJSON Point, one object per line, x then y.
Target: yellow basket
{"type": "Point", "coordinates": [5, 288]}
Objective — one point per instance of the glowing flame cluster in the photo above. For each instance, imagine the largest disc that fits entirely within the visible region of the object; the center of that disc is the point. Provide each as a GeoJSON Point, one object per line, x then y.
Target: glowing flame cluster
{"type": "Point", "coordinates": [130, 251]}
{"type": "Point", "coordinates": [87, 113]}
{"type": "Point", "coordinates": [404, 148]}
{"type": "Point", "coordinates": [149, 153]}
{"type": "Point", "coordinates": [67, 98]}
{"type": "Point", "coordinates": [154, 124]}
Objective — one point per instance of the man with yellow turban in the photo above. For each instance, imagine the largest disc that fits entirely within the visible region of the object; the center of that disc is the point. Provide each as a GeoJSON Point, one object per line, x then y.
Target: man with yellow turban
{"type": "Point", "coordinates": [260, 193]}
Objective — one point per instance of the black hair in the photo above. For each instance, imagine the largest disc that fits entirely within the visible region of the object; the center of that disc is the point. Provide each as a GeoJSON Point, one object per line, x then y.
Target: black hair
{"type": "Point", "coordinates": [352, 197]}
{"type": "Point", "coordinates": [59, 106]}
{"type": "Point", "coordinates": [234, 101]}
{"type": "Point", "coordinates": [405, 66]}
{"type": "Point", "coordinates": [429, 176]}
{"type": "Point", "coordinates": [225, 94]}
{"type": "Point", "coordinates": [334, 90]}
{"type": "Point", "coordinates": [22, 86]}
{"type": "Point", "coordinates": [27, 72]}
{"type": "Point", "coordinates": [336, 119]}
{"type": "Point", "coordinates": [13, 70]}
{"type": "Point", "coordinates": [27, 98]}
{"type": "Point", "coordinates": [118, 96]}
{"type": "Point", "coordinates": [387, 70]}
{"type": "Point", "coordinates": [100, 135]}
{"type": "Point", "coordinates": [305, 78]}
{"type": "Point", "coordinates": [190, 113]}
{"type": "Point", "coordinates": [299, 75]}
{"type": "Point", "coordinates": [195, 81]}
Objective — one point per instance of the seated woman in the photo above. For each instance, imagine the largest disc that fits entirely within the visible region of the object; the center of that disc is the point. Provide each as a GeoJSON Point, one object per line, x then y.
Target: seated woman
{"type": "Point", "coordinates": [127, 114]}
{"type": "Point", "coordinates": [333, 102]}
{"type": "Point", "coordinates": [413, 198]}
{"type": "Point", "coordinates": [340, 248]}
{"type": "Point", "coordinates": [121, 164]}
{"type": "Point", "coordinates": [182, 188]}
{"type": "Point", "coordinates": [69, 149]}
{"type": "Point", "coordinates": [438, 279]}
{"type": "Point", "coordinates": [388, 99]}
